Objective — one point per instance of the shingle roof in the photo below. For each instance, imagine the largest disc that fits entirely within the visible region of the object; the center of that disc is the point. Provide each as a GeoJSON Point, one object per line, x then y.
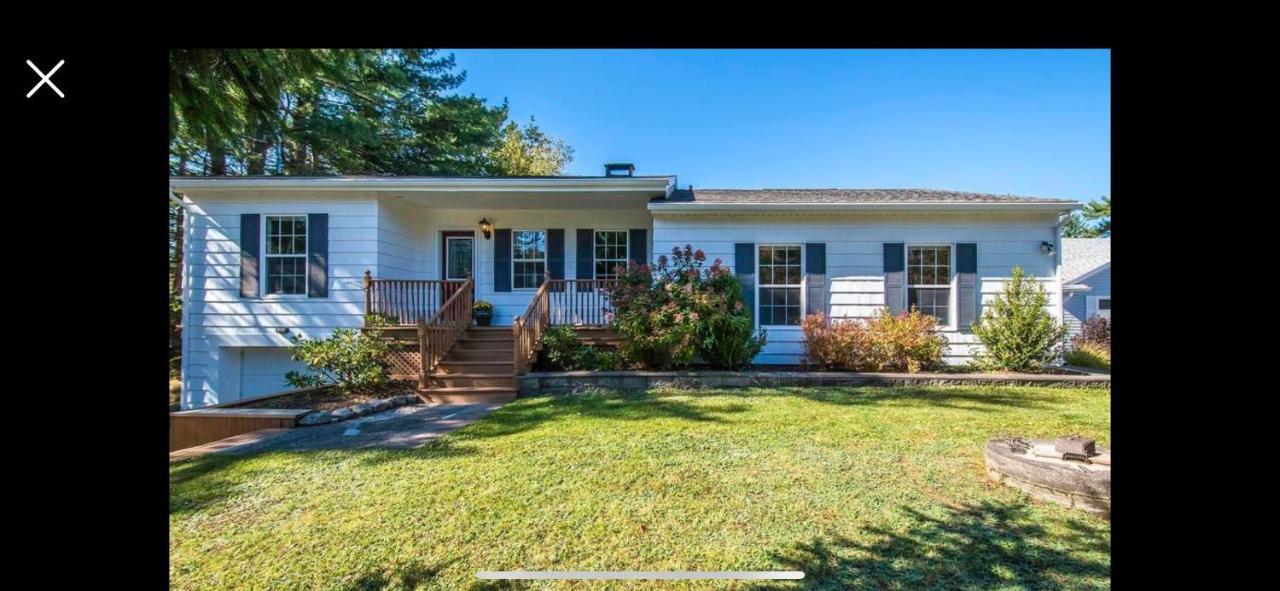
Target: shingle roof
{"type": "Point", "coordinates": [821, 196]}
{"type": "Point", "coordinates": [1082, 255]}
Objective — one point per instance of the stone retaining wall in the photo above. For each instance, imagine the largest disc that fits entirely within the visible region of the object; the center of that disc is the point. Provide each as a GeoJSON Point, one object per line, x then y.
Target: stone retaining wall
{"type": "Point", "coordinates": [578, 381]}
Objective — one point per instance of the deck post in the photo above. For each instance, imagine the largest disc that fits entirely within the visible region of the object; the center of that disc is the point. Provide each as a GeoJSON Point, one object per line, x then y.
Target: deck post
{"type": "Point", "coordinates": [422, 353]}
{"type": "Point", "coordinates": [368, 302]}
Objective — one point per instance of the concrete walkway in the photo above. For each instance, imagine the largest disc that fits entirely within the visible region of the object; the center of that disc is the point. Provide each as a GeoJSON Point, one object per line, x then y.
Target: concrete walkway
{"type": "Point", "coordinates": [403, 427]}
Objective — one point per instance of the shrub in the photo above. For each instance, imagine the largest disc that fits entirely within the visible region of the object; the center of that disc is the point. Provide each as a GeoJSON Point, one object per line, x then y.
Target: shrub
{"type": "Point", "coordinates": [668, 315]}
{"type": "Point", "coordinates": [1086, 354]}
{"type": "Point", "coordinates": [564, 350]}
{"type": "Point", "coordinates": [908, 341]}
{"type": "Point", "coordinates": [350, 360]}
{"type": "Point", "coordinates": [836, 345]}
{"type": "Point", "coordinates": [1096, 330]}
{"type": "Point", "coordinates": [1016, 331]}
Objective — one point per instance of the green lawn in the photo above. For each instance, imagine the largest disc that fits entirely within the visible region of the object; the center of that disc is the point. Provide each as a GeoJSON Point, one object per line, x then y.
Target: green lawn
{"type": "Point", "coordinates": [858, 487]}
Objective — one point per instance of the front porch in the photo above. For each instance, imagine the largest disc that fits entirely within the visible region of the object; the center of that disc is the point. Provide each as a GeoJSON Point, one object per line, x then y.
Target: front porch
{"type": "Point", "coordinates": [451, 358]}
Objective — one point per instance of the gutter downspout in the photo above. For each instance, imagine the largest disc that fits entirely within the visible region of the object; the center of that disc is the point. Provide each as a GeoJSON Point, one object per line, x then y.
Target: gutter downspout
{"type": "Point", "coordinates": [1057, 263]}
{"type": "Point", "coordinates": [186, 308]}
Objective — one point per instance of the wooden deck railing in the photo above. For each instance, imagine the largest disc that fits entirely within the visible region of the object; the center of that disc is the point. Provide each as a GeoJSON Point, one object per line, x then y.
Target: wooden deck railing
{"type": "Point", "coordinates": [573, 302]}
{"type": "Point", "coordinates": [579, 302]}
{"type": "Point", "coordinates": [437, 335]}
{"type": "Point", "coordinates": [407, 301]}
{"type": "Point", "coordinates": [528, 330]}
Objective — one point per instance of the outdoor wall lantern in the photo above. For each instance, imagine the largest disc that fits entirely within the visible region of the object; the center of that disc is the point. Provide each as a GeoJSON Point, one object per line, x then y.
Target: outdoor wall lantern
{"type": "Point", "coordinates": [1046, 248]}
{"type": "Point", "coordinates": [486, 228]}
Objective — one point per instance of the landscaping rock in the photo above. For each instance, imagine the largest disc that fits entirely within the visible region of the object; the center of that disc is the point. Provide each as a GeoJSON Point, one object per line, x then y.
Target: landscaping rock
{"type": "Point", "coordinates": [315, 418]}
{"type": "Point", "coordinates": [362, 409]}
{"type": "Point", "coordinates": [342, 414]}
{"type": "Point", "coordinates": [380, 404]}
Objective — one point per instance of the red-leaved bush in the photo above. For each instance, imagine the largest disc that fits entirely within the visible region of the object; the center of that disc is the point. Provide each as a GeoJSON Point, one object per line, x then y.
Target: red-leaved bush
{"type": "Point", "coordinates": [905, 342]}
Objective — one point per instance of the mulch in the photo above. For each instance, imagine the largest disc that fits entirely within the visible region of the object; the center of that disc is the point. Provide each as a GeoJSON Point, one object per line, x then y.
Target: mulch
{"type": "Point", "coordinates": [329, 398]}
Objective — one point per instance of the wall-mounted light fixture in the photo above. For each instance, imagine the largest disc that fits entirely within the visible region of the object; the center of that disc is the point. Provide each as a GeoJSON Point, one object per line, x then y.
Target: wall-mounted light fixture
{"type": "Point", "coordinates": [1046, 248]}
{"type": "Point", "coordinates": [486, 228]}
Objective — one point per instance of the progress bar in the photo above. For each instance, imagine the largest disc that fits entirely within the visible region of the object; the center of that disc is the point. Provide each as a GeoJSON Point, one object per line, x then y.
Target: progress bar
{"type": "Point", "coordinates": [638, 574]}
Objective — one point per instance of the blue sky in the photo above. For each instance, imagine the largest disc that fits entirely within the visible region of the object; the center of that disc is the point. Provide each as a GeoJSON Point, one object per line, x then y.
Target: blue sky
{"type": "Point", "coordinates": [1026, 122]}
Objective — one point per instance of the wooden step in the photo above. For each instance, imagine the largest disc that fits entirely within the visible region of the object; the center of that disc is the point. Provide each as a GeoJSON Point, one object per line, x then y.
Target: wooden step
{"type": "Point", "coordinates": [486, 336]}
{"type": "Point", "coordinates": [486, 345]}
{"type": "Point", "coordinates": [468, 395]}
{"type": "Point", "coordinates": [601, 342]}
{"type": "Point", "coordinates": [457, 354]}
{"type": "Point", "coordinates": [504, 366]}
{"type": "Point", "coordinates": [474, 328]}
{"type": "Point", "coordinates": [472, 380]}
{"type": "Point", "coordinates": [597, 333]}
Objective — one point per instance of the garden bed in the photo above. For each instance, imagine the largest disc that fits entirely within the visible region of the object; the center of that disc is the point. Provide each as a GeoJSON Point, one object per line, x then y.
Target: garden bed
{"type": "Point", "coordinates": [325, 398]}
{"type": "Point", "coordinates": [568, 382]}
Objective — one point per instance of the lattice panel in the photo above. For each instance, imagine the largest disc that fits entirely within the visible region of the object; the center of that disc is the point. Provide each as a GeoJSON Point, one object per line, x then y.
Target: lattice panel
{"type": "Point", "coordinates": [404, 361]}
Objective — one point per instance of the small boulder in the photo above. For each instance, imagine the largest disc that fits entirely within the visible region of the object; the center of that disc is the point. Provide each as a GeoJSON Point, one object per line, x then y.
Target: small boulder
{"type": "Point", "coordinates": [315, 418]}
{"type": "Point", "coordinates": [380, 405]}
{"type": "Point", "coordinates": [342, 414]}
{"type": "Point", "coordinates": [362, 409]}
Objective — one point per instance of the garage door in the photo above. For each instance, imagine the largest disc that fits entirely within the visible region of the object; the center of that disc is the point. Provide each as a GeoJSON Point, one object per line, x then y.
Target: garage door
{"type": "Point", "coordinates": [262, 370]}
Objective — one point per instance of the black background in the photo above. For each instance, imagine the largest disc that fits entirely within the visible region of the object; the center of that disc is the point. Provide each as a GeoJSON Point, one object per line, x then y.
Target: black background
{"type": "Point", "coordinates": [86, 260]}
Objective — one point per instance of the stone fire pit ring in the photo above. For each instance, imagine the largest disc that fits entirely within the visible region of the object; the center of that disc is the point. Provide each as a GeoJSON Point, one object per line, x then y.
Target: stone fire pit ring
{"type": "Point", "coordinates": [1072, 483]}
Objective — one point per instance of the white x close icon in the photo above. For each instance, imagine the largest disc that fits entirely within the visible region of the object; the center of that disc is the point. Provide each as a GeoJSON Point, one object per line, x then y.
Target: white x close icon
{"type": "Point", "coordinates": [44, 79]}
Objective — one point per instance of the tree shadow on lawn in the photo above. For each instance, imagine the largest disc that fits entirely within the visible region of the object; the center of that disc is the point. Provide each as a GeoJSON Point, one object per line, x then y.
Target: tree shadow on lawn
{"type": "Point", "coordinates": [412, 576]}
{"type": "Point", "coordinates": [980, 546]}
{"type": "Point", "coordinates": [979, 399]}
{"type": "Point", "coordinates": [621, 406]}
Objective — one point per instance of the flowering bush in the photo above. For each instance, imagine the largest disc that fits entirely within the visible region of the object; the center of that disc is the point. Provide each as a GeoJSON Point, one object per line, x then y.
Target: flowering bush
{"type": "Point", "coordinates": [672, 312]}
{"type": "Point", "coordinates": [568, 353]}
{"type": "Point", "coordinates": [1016, 331]}
{"type": "Point", "coordinates": [906, 342]}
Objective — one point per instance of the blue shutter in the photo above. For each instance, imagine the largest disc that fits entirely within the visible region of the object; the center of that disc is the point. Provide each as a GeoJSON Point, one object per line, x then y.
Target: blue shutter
{"type": "Point", "coordinates": [744, 265]}
{"type": "Point", "coordinates": [895, 266]}
{"type": "Point", "coordinates": [318, 255]}
{"type": "Point", "coordinates": [249, 250]}
{"type": "Point", "coordinates": [502, 260]}
{"type": "Point", "coordinates": [555, 257]}
{"type": "Point", "coordinates": [815, 271]}
{"type": "Point", "coordinates": [967, 279]}
{"type": "Point", "coordinates": [638, 246]}
{"type": "Point", "coordinates": [586, 256]}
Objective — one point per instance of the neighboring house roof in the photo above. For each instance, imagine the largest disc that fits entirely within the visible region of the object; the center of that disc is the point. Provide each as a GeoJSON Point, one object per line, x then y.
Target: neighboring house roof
{"type": "Point", "coordinates": [1084, 256]}
{"type": "Point", "coordinates": [842, 199]}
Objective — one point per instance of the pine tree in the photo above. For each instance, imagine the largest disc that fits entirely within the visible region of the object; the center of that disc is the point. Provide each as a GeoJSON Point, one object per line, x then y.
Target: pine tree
{"type": "Point", "coordinates": [1017, 332]}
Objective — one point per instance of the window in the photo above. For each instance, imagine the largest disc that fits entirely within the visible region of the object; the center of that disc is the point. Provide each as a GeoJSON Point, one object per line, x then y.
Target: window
{"type": "Point", "coordinates": [610, 252]}
{"type": "Point", "coordinates": [286, 255]}
{"type": "Point", "coordinates": [528, 258]}
{"type": "Point", "coordinates": [780, 276]}
{"type": "Point", "coordinates": [929, 281]}
{"type": "Point", "coordinates": [1099, 306]}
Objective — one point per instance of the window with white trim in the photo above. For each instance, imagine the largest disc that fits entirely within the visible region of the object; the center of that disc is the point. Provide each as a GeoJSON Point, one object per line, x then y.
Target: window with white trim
{"type": "Point", "coordinates": [528, 258]}
{"type": "Point", "coordinates": [929, 281]}
{"type": "Point", "coordinates": [285, 258]}
{"type": "Point", "coordinates": [610, 252]}
{"type": "Point", "coordinates": [1099, 306]}
{"type": "Point", "coordinates": [779, 291]}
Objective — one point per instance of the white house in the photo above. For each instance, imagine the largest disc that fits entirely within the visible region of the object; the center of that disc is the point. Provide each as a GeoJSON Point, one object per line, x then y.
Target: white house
{"type": "Point", "coordinates": [266, 258]}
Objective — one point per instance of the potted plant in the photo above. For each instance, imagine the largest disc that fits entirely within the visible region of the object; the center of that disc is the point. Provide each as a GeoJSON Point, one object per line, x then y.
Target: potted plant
{"type": "Point", "coordinates": [482, 311]}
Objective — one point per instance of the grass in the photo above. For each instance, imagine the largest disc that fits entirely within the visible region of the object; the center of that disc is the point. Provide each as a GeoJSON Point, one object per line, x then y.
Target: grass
{"type": "Point", "coordinates": [858, 487]}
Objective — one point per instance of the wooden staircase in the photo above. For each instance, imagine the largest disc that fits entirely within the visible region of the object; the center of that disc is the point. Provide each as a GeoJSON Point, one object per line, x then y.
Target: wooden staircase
{"type": "Point", "coordinates": [479, 368]}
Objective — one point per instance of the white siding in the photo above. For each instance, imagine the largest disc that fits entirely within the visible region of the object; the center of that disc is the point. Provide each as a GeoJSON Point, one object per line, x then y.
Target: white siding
{"type": "Point", "coordinates": [508, 305]}
{"type": "Point", "coordinates": [230, 345]}
{"type": "Point", "coordinates": [855, 257]}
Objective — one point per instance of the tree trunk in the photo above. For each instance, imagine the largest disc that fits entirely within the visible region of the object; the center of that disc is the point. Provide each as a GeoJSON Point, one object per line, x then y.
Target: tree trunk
{"type": "Point", "coordinates": [257, 161]}
{"type": "Point", "coordinates": [217, 159]}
